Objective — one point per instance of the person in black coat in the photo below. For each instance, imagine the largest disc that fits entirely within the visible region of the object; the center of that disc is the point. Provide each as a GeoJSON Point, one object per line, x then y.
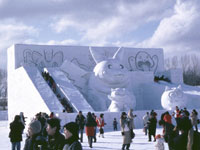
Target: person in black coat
{"type": "Point", "coordinates": [55, 140]}
{"type": "Point", "coordinates": [71, 136]}
{"type": "Point", "coordinates": [152, 125]}
{"type": "Point", "coordinates": [168, 133]}
{"type": "Point", "coordinates": [80, 120]}
{"type": "Point", "coordinates": [184, 126]}
{"type": "Point", "coordinates": [16, 130]}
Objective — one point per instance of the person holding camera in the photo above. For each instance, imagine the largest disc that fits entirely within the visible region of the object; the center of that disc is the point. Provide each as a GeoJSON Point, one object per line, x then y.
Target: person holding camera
{"type": "Point", "coordinates": [131, 118]}
{"type": "Point", "coordinates": [126, 130]}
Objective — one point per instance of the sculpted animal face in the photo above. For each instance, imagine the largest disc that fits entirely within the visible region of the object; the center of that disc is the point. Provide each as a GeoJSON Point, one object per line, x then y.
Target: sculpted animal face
{"type": "Point", "coordinates": [118, 92]}
{"type": "Point", "coordinates": [122, 97]}
{"type": "Point", "coordinates": [173, 97]}
{"type": "Point", "coordinates": [144, 61]}
{"type": "Point", "coordinates": [110, 71]}
{"type": "Point", "coordinates": [175, 94]}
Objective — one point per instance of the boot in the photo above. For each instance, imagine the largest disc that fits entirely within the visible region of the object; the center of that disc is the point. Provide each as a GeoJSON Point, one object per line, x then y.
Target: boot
{"type": "Point", "coordinates": [127, 146]}
{"type": "Point", "coordinates": [123, 146]}
{"type": "Point", "coordinates": [95, 139]}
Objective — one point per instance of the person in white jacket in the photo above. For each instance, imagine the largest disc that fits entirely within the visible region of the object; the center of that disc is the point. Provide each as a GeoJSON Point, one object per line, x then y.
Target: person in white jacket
{"type": "Point", "coordinates": [145, 120]}
{"type": "Point", "coordinates": [159, 143]}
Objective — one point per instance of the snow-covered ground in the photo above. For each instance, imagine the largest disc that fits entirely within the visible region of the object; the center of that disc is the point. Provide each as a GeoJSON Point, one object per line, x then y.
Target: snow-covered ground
{"type": "Point", "coordinates": [112, 140]}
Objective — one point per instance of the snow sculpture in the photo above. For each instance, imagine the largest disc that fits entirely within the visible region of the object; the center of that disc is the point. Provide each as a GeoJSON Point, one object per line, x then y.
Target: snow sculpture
{"type": "Point", "coordinates": [173, 97]}
{"type": "Point", "coordinates": [121, 100]}
{"type": "Point", "coordinates": [108, 73]}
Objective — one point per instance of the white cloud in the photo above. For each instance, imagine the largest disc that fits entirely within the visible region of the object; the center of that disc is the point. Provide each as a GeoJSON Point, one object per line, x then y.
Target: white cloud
{"type": "Point", "coordinates": [12, 32]}
{"type": "Point", "coordinates": [64, 42]}
{"type": "Point", "coordinates": [62, 24]}
{"type": "Point", "coordinates": [180, 32]}
{"type": "Point", "coordinates": [104, 23]}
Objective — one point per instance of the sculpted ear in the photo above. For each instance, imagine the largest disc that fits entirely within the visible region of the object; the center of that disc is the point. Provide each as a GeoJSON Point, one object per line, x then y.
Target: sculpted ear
{"type": "Point", "coordinates": [119, 54]}
{"type": "Point", "coordinates": [97, 56]}
{"type": "Point", "coordinates": [167, 88]}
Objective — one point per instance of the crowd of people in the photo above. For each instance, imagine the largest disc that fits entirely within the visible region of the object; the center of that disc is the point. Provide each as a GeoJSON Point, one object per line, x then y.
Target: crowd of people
{"type": "Point", "coordinates": [44, 131]}
{"type": "Point", "coordinates": [182, 135]}
{"type": "Point", "coordinates": [63, 100]}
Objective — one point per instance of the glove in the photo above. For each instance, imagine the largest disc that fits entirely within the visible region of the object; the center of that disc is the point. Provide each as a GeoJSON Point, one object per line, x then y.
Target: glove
{"type": "Point", "coordinates": [122, 133]}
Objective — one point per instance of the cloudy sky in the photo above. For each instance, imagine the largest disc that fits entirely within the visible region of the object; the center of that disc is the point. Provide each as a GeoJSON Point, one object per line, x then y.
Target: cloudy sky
{"type": "Point", "coordinates": [169, 24]}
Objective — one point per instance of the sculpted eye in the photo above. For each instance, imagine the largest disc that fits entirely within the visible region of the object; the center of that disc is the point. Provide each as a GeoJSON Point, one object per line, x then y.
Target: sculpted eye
{"type": "Point", "coordinates": [121, 66]}
{"type": "Point", "coordinates": [110, 66]}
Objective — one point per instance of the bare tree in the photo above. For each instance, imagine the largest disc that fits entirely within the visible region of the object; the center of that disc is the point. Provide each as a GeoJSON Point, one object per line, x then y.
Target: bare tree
{"type": "Point", "coordinates": [195, 64]}
{"type": "Point", "coordinates": [167, 64]}
{"type": "Point", "coordinates": [185, 62]}
{"type": "Point", "coordinates": [3, 89]}
{"type": "Point", "coordinates": [190, 65]}
{"type": "Point", "coordinates": [174, 62]}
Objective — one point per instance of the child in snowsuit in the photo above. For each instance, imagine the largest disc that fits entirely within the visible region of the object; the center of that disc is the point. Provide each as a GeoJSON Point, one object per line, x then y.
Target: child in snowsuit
{"type": "Point", "coordinates": [159, 143]}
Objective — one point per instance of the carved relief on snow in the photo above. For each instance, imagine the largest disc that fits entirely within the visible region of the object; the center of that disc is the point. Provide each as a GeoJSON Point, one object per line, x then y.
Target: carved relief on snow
{"type": "Point", "coordinates": [143, 61]}
{"type": "Point", "coordinates": [43, 59]}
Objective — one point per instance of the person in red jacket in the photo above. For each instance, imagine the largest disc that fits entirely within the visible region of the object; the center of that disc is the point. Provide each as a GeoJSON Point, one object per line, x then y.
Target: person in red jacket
{"type": "Point", "coordinates": [167, 118]}
{"type": "Point", "coordinates": [177, 114]}
{"type": "Point", "coordinates": [100, 125]}
{"type": "Point", "coordinates": [89, 128]}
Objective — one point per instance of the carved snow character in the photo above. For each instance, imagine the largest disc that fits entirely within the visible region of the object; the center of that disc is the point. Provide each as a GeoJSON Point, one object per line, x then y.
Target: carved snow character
{"type": "Point", "coordinates": [173, 97]}
{"type": "Point", "coordinates": [121, 100]}
{"type": "Point", "coordinates": [108, 73]}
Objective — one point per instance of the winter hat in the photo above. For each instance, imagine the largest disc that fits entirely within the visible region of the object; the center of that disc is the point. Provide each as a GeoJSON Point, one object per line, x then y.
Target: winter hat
{"type": "Point", "coordinates": [124, 113]}
{"type": "Point", "coordinates": [73, 128]}
{"type": "Point", "coordinates": [158, 136]}
{"type": "Point", "coordinates": [35, 126]}
{"type": "Point", "coordinates": [54, 122]}
{"type": "Point", "coordinates": [101, 115]}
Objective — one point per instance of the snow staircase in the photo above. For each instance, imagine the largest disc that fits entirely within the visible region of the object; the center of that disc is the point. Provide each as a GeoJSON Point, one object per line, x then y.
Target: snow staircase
{"type": "Point", "coordinates": [74, 97]}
